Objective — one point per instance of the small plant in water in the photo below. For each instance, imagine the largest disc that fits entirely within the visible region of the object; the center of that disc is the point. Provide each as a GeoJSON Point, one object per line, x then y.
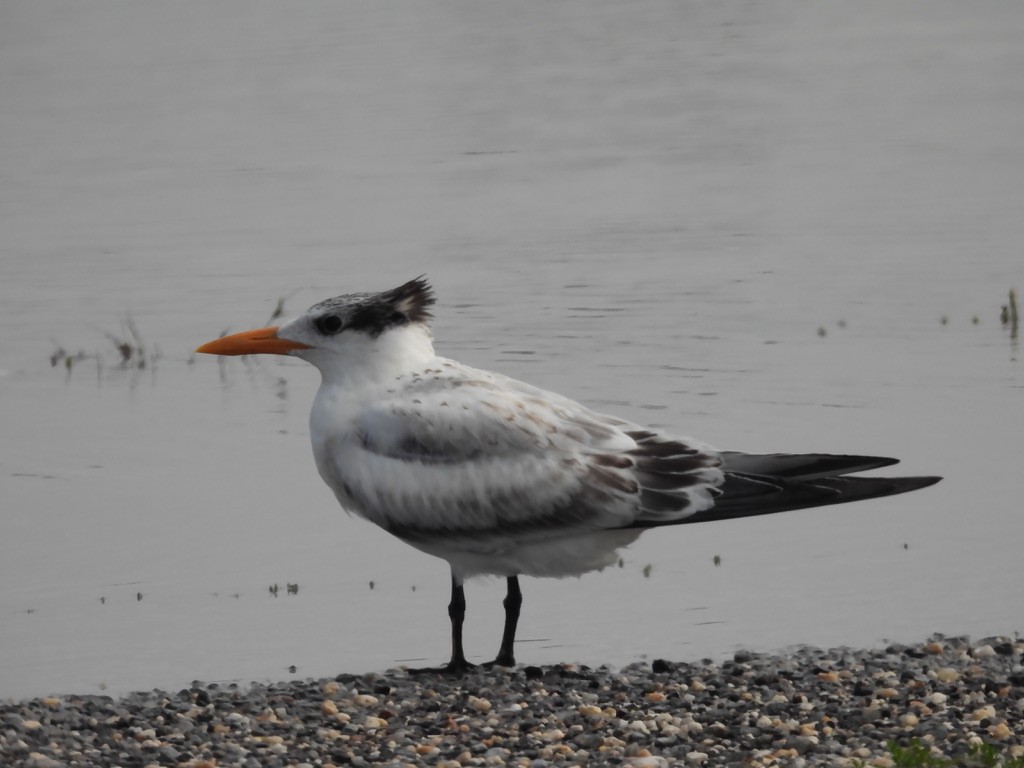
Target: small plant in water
{"type": "Point", "coordinates": [61, 356]}
{"type": "Point", "coordinates": [278, 311]}
{"type": "Point", "coordinates": [132, 349]}
{"type": "Point", "coordinates": [130, 353]}
{"type": "Point", "coordinates": [1009, 316]}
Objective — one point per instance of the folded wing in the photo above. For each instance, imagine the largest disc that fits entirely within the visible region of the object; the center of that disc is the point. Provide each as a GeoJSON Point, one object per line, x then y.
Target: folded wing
{"type": "Point", "coordinates": [483, 458]}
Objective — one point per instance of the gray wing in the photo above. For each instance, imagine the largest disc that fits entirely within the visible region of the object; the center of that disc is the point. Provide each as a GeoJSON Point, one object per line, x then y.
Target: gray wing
{"type": "Point", "coordinates": [479, 458]}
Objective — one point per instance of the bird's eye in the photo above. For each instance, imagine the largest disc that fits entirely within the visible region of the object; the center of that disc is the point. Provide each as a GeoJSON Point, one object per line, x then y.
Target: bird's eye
{"type": "Point", "coordinates": [328, 324]}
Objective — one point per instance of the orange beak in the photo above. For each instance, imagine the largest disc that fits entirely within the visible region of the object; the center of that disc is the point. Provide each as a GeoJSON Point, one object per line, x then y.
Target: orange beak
{"type": "Point", "coordinates": [261, 341]}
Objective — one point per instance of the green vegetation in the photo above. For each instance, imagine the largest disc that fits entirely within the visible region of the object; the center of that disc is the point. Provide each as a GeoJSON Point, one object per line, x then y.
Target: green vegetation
{"type": "Point", "coordinates": [917, 754]}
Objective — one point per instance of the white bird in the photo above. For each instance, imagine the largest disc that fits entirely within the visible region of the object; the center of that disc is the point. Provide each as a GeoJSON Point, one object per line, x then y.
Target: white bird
{"type": "Point", "coordinates": [499, 477]}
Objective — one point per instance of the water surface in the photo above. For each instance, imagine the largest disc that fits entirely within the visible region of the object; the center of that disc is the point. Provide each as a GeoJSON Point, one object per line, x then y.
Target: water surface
{"type": "Point", "coordinates": [742, 222]}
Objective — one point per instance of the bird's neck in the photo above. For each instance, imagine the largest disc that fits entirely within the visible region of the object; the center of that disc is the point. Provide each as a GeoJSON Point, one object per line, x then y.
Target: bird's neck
{"type": "Point", "coordinates": [370, 362]}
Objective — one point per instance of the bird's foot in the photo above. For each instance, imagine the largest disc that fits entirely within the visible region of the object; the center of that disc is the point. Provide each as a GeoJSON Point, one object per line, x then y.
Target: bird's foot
{"type": "Point", "coordinates": [503, 660]}
{"type": "Point", "coordinates": [454, 668]}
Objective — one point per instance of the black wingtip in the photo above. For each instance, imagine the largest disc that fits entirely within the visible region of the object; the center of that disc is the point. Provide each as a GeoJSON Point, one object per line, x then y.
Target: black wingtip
{"type": "Point", "coordinates": [752, 495]}
{"type": "Point", "coordinates": [914, 483]}
{"type": "Point", "coordinates": [802, 466]}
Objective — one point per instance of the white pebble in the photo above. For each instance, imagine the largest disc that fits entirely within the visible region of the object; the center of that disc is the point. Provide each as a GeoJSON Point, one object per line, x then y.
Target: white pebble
{"type": "Point", "coordinates": [327, 707]}
{"type": "Point", "coordinates": [648, 761]}
{"type": "Point", "coordinates": [479, 704]}
{"type": "Point", "coordinates": [982, 712]}
{"type": "Point", "coordinates": [999, 731]}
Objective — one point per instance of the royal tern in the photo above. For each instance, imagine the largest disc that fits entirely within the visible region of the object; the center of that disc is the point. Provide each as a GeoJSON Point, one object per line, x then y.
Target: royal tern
{"type": "Point", "coordinates": [500, 477]}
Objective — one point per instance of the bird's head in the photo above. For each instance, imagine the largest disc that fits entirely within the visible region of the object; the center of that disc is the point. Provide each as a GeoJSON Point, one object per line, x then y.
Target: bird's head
{"type": "Point", "coordinates": [350, 331]}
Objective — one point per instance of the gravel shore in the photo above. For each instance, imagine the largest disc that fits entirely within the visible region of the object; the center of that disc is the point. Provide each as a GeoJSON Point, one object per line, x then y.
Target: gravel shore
{"type": "Point", "coordinates": [806, 707]}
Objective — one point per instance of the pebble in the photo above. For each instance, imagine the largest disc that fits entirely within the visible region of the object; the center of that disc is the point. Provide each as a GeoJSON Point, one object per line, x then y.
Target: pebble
{"type": "Point", "coordinates": [984, 652]}
{"type": "Point", "coordinates": [999, 731]}
{"type": "Point", "coordinates": [803, 708]}
{"type": "Point", "coordinates": [479, 704]}
{"type": "Point", "coordinates": [947, 674]}
{"type": "Point", "coordinates": [983, 713]}
{"type": "Point", "coordinates": [328, 707]}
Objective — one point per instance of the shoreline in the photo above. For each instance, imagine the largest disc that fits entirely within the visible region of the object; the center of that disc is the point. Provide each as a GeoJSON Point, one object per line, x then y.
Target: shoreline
{"type": "Point", "coordinates": [808, 706]}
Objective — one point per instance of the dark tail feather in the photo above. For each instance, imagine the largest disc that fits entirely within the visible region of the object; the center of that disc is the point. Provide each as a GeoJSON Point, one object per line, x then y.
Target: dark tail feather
{"type": "Point", "coordinates": [766, 484]}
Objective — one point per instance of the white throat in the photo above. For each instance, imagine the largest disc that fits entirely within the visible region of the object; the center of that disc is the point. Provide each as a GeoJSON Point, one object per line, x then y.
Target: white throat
{"type": "Point", "coordinates": [358, 360]}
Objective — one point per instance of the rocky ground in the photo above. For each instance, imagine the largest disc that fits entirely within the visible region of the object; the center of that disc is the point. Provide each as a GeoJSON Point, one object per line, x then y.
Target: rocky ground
{"type": "Point", "coordinates": [806, 707]}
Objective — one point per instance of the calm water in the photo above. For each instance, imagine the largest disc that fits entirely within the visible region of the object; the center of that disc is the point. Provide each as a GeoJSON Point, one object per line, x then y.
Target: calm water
{"type": "Point", "coordinates": [650, 207]}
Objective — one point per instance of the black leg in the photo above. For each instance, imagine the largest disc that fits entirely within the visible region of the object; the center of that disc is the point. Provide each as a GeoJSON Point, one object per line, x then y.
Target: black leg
{"type": "Point", "coordinates": [457, 613]}
{"type": "Point", "coordinates": [512, 602]}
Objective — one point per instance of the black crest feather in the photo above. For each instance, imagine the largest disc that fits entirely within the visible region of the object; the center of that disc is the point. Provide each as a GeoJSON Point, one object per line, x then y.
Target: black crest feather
{"type": "Point", "coordinates": [413, 299]}
{"type": "Point", "coordinates": [408, 303]}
